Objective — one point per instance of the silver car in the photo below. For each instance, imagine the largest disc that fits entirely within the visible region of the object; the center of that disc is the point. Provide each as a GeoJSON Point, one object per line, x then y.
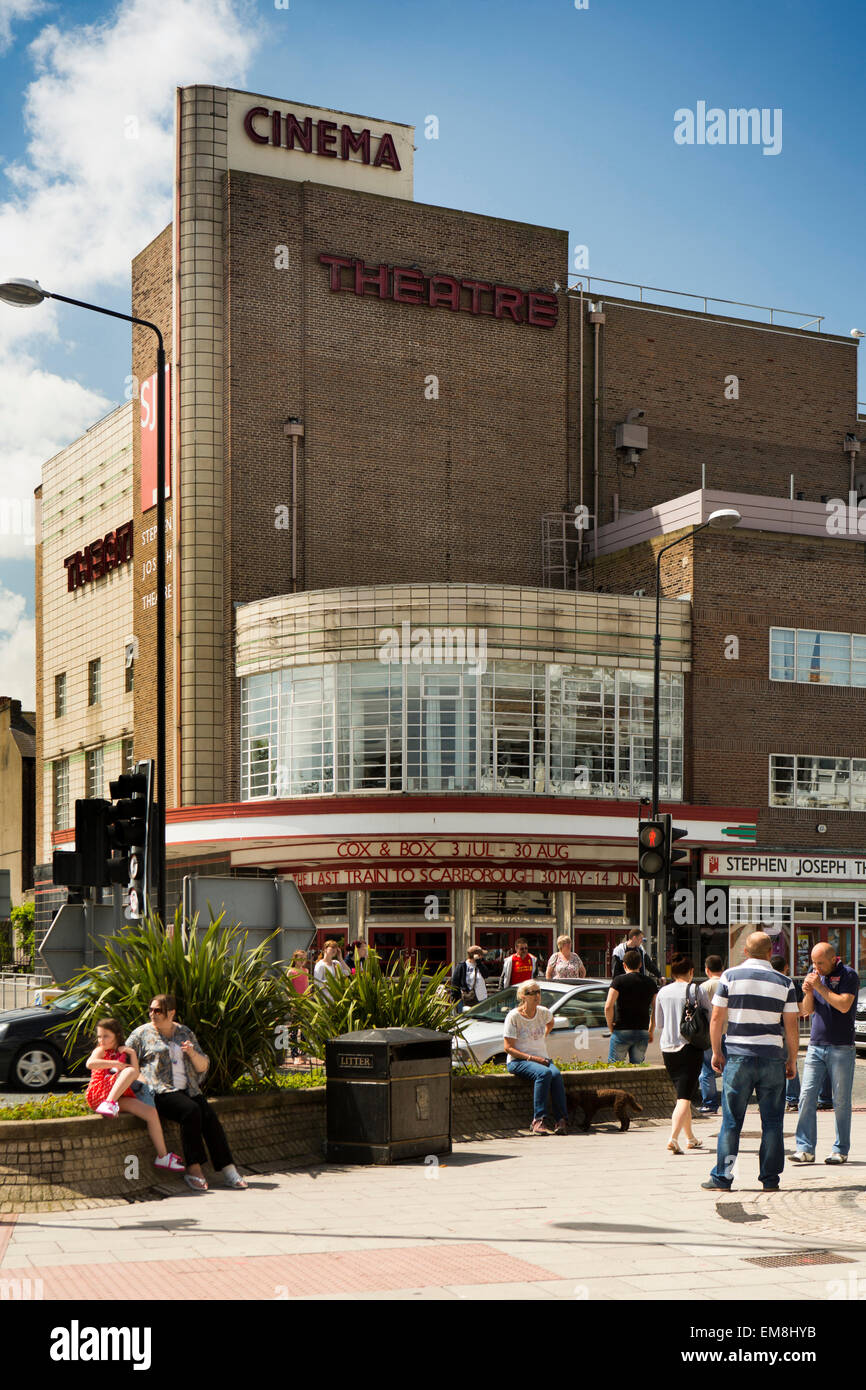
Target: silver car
{"type": "Point", "coordinates": [580, 1032]}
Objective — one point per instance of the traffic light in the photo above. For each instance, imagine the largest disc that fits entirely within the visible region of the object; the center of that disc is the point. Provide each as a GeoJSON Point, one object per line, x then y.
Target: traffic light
{"type": "Point", "coordinates": [673, 875]}
{"type": "Point", "coordinates": [87, 866]}
{"type": "Point", "coordinates": [129, 834]}
{"type": "Point", "coordinates": [651, 846]}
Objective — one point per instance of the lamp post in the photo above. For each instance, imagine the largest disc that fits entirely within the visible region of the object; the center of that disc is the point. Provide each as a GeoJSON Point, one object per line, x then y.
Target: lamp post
{"type": "Point", "coordinates": [26, 294]}
{"type": "Point", "coordinates": [722, 520]}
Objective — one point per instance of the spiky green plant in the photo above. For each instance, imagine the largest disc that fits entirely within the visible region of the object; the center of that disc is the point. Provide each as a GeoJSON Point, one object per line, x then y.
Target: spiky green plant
{"type": "Point", "coordinates": [232, 998]}
{"type": "Point", "coordinates": [398, 997]}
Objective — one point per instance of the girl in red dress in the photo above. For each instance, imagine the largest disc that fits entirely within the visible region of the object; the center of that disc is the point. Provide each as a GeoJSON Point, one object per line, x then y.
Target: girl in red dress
{"type": "Point", "coordinates": [113, 1067]}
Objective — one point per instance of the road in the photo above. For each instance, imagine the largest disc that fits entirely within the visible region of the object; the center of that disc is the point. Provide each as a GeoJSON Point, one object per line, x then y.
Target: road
{"type": "Point", "coordinates": [70, 1085]}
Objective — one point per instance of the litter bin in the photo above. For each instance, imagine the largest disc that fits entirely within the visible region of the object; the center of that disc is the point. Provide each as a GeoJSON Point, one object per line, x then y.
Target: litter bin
{"type": "Point", "coordinates": [388, 1094]}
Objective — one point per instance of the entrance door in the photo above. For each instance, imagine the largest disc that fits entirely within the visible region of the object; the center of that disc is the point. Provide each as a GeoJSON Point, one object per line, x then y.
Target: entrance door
{"type": "Point", "coordinates": [592, 947]}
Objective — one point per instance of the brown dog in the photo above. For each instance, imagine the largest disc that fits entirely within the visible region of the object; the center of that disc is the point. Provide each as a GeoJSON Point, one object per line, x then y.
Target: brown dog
{"type": "Point", "coordinates": [618, 1101]}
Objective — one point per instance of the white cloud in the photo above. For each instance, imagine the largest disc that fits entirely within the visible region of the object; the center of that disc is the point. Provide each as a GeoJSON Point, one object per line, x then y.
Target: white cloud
{"type": "Point", "coordinates": [17, 649]}
{"type": "Point", "coordinates": [92, 189]}
{"type": "Point", "coordinates": [10, 10]}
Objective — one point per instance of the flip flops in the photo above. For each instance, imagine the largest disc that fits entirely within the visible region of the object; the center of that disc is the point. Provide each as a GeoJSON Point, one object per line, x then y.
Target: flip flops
{"type": "Point", "coordinates": [197, 1184]}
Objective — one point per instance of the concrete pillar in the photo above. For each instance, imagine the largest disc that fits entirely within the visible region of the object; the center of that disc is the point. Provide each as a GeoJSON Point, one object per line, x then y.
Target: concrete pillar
{"type": "Point", "coordinates": [563, 914]}
{"type": "Point", "coordinates": [357, 913]}
{"type": "Point", "coordinates": [461, 899]}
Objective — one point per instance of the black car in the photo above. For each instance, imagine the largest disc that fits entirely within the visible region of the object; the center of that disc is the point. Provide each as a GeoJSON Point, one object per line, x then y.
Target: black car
{"type": "Point", "coordinates": [31, 1057]}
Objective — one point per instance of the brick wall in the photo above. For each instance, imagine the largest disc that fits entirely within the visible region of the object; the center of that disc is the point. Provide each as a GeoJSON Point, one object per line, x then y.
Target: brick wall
{"type": "Point", "coordinates": [48, 1165]}
{"type": "Point", "coordinates": [797, 399]}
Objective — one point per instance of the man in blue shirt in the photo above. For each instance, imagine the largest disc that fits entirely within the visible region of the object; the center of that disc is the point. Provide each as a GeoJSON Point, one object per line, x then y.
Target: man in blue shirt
{"type": "Point", "coordinates": [829, 995]}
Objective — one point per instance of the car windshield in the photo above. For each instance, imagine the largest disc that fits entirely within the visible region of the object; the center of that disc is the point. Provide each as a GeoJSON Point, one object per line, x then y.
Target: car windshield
{"type": "Point", "coordinates": [498, 1006]}
{"type": "Point", "coordinates": [66, 1002]}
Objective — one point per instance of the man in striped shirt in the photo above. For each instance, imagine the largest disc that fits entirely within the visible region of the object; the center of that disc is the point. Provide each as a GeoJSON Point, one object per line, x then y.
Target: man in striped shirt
{"type": "Point", "coordinates": [762, 1038]}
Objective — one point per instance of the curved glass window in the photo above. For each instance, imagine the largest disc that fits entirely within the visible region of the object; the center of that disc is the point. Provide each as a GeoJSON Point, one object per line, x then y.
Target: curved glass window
{"type": "Point", "coordinates": [518, 726]}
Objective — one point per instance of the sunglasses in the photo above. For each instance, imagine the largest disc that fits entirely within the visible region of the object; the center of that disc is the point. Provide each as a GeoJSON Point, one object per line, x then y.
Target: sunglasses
{"type": "Point", "coordinates": [532, 994]}
{"type": "Point", "coordinates": [155, 1011]}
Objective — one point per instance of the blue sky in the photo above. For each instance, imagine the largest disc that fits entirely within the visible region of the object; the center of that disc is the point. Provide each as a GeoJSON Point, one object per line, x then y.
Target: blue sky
{"type": "Point", "coordinates": [546, 114]}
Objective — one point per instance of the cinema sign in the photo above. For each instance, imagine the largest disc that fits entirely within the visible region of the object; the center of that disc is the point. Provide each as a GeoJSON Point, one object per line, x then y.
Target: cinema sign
{"type": "Point", "coordinates": [282, 139]}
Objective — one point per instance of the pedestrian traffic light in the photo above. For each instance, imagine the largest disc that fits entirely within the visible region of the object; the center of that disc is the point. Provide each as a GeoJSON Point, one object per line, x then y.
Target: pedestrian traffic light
{"type": "Point", "coordinates": [673, 875]}
{"type": "Point", "coordinates": [129, 834]}
{"type": "Point", "coordinates": [651, 845]}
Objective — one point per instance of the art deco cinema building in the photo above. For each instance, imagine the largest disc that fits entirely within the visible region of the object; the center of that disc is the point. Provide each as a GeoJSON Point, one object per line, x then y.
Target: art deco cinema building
{"type": "Point", "coordinates": [398, 671]}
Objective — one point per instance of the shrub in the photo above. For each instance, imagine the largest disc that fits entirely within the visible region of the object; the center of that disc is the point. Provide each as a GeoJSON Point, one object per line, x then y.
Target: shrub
{"type": "Point", "coordinates": [373, 998]}
{"type": "Point", "coordinates": [233, 999]}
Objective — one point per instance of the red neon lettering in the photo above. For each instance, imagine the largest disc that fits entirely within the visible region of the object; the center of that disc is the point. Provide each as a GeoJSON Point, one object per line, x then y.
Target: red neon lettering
{"type": "Point", "coordinates": [352, 143]}
{"type": "Point", "coordinates": [326, 137]}
{"type": "Point", "coordinates": [408, 286]}
{"type": "Point", "coordinates": [303, 134]}
{"type": "Point", "coordinates": [335, 266]}
{"type": "Point", "coordinates": [387, 154]}
{"type": "Point", "coordinates": [249, 127]}
{"type": "Point", "coordinates": [507, 301]}
{"type": "Point", "coordinates": [444, 290]}
{"type": "Point", "coordinates": [476, 289]}
{"type": "Point", "coordinates": [542, 309]}
{"type": "Point", "coordinates": [371, 279]}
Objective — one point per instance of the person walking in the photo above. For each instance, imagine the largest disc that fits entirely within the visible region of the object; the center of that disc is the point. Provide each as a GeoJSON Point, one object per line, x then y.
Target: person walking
{"type": "Point", "coordinates": [792, 1086]}
{"type": "Point", "coordinates": [710, 1101]}
{"type": "Point", "coordinates": [681, 1058]}
{"type": "Point", "coordinates": [633, 942]}
{"type": "Point", "coordinates": [762, 1015]}
{"type": "Point", "coordinates": [468, 979]}
{"type": "Point", "coordinates": [628, 1011]}
{"type": "Point", "coordinates": [330, 964]}
{"type": "Point", "coordinates": [525, 1040]}
{"type": "Point", "coordinates": [830, 992]}
{"type": "Point", "coordinates": [565, 963]}
{"type": "Point", "coordinates": [520, 966]}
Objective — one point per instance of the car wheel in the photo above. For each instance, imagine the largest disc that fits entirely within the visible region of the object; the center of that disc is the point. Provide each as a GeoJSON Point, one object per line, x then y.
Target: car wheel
{"type": "Point", "coordinates": [500, 1059]}
{"type": "Point", "coordinates": [36, 1067]}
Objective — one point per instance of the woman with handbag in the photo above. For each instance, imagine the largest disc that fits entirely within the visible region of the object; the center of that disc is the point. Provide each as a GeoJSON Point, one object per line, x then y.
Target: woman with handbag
{"type": "Point", "coordinates": [678, 1005]}
{"type": "Point", "coordinates": [468, 979]}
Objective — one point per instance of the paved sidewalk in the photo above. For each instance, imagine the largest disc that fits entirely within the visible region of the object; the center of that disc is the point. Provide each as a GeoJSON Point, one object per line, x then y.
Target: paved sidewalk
{"type": "Point", "coordinates": [599, 1216]}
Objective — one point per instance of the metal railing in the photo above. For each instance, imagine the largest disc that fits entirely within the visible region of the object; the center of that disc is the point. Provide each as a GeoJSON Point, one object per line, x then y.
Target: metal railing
{"type": "Point", "coordinates": [16, 991]}
{"type": "Point", "coordinates": [705, 299]}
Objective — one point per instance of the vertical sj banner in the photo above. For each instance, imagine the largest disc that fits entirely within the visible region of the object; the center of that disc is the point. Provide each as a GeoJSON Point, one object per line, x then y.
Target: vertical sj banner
{"type": "Point", "coordinates": [147, 408]}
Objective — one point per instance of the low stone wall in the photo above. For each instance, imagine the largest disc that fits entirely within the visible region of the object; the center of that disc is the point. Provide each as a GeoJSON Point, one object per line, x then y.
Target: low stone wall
{"type": "Point", "coordinates": [48, 1165]}
{"type": "Point", "coordinates": [488, 1106]}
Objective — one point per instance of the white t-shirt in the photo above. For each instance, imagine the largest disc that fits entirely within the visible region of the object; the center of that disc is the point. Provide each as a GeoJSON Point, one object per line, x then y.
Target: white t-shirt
{"type": "Point", "coordinates": [179, 1077]}
{"type": "Point", "coordinates": [475, 980]}
{"type": "Point", "coordinates": [322, 969]}
{"type": "Point", "coordinates": [669, 1004]}
{"type": "Point", "coordinates": [528, 1033]}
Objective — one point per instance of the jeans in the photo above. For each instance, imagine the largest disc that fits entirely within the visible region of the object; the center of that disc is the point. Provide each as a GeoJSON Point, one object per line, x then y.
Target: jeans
{"type": "Point", "coordinates": [707, 1079]}
{"type": "Point", "coordinates": [837, 1063]}
{"type": "Point", "coordinates": [628, 1044]}
{"type": "Point", "coordinates": [742, 1076]}
{"type": "Point", "coordinates": [143, 1093]}
{"type": "Point", "coordinates": [792, 1089]}
{"type": "Point", "coordinates": [198, 1125]}
{"type": "Point", "coordinates": [548, 1084]}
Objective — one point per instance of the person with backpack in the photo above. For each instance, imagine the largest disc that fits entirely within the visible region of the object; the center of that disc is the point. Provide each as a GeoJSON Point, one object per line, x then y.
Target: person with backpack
{"type": "Point", "coordinates": [682, 1015]}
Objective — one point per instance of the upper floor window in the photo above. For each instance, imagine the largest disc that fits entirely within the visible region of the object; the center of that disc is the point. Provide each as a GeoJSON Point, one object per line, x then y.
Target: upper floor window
{"type": "Point", "coordinates": [94, 772]}
{"type": "Point", "coordinates": [129, 667]}
{"type": "Point", "coordinates": [813, 783]}
{"type": "Point", "coordinates": [812, 657]}
{"type": "Point", "coordinates": [127, 755]}
{"type": "Point", "coordinates": [60, 695]}
{"type": "Point", "coordinates": [60, 794]}
{"type": "Point", "coordinates": [94, 682]}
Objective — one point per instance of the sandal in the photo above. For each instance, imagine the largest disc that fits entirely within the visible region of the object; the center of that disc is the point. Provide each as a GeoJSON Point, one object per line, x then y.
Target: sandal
{"type": "Point", "coordinates": [197, 1184]}
{"type": "Point", "coordinates": [237, 1183]}
{"type": "Point", "coordinates": [674, 1147]}
{"type": "Point", "coordinates": [695, 1144]}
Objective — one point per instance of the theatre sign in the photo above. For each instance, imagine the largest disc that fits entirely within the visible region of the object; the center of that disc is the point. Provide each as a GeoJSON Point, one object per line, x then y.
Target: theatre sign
{"type": "Point", "coordinates": [789, 866]}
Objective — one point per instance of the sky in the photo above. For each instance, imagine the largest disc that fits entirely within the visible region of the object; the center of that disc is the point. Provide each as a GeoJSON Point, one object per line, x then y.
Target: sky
{"type": "Point", "coordinates": [548, 113]}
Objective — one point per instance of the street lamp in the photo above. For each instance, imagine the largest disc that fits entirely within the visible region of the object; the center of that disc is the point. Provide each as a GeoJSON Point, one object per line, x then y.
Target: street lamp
{"type": "Point", "coordinates": [26, 294]}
